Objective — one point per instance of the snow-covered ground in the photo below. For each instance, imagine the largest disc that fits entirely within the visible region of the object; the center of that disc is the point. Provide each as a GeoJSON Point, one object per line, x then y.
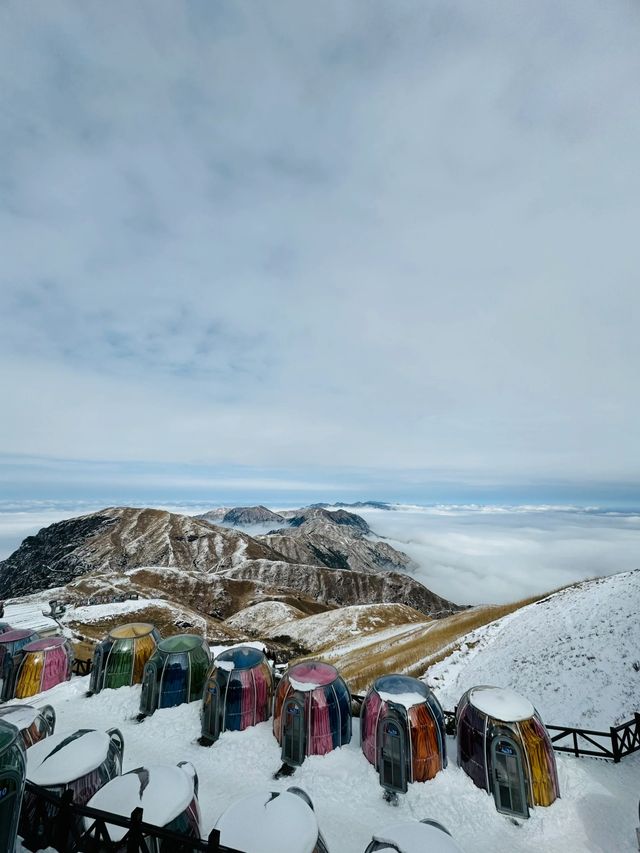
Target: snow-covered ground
{"type": "Point", "coordinates": [27, 612]}
{"type": "Point", "coordinates": [575, 655]}
{"type": "Point", "coordinates": [597, 812]}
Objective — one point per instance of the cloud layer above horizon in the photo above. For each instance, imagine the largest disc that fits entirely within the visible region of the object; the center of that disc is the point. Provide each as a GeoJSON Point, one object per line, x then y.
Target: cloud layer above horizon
{"type": "Point", "coordinates": [342, 234]}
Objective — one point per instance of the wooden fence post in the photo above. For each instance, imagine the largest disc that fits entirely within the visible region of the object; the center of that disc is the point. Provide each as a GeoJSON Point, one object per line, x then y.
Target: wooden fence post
{"type": "Point", "coordinates": [213, 842]}
{"type": "Point", "coordinates": [134, 838]}
{"type": "Point", "coordinates": [63, 822]}
{"type": "Point", "coordinates": [615, 745]}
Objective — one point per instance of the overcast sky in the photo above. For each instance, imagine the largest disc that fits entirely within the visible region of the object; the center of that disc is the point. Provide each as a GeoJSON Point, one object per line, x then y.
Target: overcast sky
{"type": "Point", "coordinates": [352, 244]}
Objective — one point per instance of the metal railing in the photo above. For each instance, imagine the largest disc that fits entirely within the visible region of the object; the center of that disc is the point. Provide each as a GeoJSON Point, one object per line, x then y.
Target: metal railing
{"type": "Point", "coordinates": [60, 823]}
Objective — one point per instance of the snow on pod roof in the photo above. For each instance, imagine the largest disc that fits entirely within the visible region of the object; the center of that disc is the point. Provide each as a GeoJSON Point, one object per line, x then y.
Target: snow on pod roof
{"type": "Point", "coordinates": [416, 837]}
{"type": "Point", "coordinates": [162, 791]}
{"type": "Point", "coordinates": [17, 634]}
{"type": "Point", "coordinates": [308, 676]}
{"type": "Point", "coordinates": [501, 703]}
{"type": "Point", "coordinates": [45, 644]}
{"type": "Point", "coordinates": [61, 758]}
{"type": "Point", "coordinates": [239, 657]}
{"type": "Point", "coordinates": [131, 631]}
{"type": "Point", "coordinates": [268, 823]}
{"type": "Point", "coordinates": [180, 643]}
{"type": "Point", "coordinates": [401, 689]}
{"type": "Point", "coordinates": [20, 716]}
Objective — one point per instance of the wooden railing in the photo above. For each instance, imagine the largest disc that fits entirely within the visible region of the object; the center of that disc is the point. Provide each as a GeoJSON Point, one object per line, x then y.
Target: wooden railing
{"type": "Point", "coordinates": [81, 666]}
{"type": "Point", "coordinates": [60, 823]}
{"type": "Point", "coordinates": [615, 744]}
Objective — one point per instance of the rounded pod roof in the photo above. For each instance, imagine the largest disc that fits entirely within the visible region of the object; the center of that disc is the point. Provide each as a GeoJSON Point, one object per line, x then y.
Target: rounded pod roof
{"type": "Point", "coordinates": [62, 758]}
{"type": "Point", "coordinates": [20, 716]}
{"type": "Point", "coordinates": [17, 634]}
{"type": "Point", "coordinates": [131, 631]}
{"type": "Point", "coordinates": [269, 823]}
{"type": "Point", "coordinates": [416, 837]}
{"type": "Point", "coordinates": [310, 675]}
{"type": "Point", "coordinates": [162, 791]}
{"type": "Point", "coordinates": [240, 657]}
{"type": "Point", "coordinates": [402, 690]}
{"type": "Point", "coordinates": [45, 645]}
{"type": "Point", "coordinates": [180, 643]}
{"type": "Point", "coordinates": [501, 703]}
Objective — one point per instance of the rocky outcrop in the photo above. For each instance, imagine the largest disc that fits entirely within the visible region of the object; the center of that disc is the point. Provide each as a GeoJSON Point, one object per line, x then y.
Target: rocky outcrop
{"type": "Point", "coordinates": [249, 515]}
{"type": "Point", "coordinates": [338, 588]}
{"type": "Point", "coordinates": [319, 547]}
{"type": "Point", "coordinates": [326, 518]}
{"type": "Point", "coordinates": [122, 538]}
{"type": "Point", "coordinates": [336, 540]}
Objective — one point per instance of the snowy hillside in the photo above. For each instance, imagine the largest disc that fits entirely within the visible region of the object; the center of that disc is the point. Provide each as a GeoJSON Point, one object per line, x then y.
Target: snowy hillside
{"type": "Point", "coordinates": [595, 815]}
{"type": "Point", "coordinates": [575, 654]}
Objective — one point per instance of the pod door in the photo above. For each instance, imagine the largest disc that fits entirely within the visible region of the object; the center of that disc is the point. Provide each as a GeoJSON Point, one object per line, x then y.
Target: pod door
{"type": "Point", "coordinates": [97, 666]}
{"type": "Point", "coordinates": [211, 714]}
{"type": "Point", "coordinates": [294, 741]}
{"type": "Point", "coordinates": [149, 698]}
{"type": "Point", "coordinates": [509, 785]}
{"type": "Point", "coordinates": [10, 802]}
{"type": "Point", "coordinates": [392, 753]}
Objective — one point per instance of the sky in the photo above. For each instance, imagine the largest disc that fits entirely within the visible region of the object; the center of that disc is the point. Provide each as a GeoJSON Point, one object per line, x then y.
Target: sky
{"type": "Point", "coordinates": [336, 250]}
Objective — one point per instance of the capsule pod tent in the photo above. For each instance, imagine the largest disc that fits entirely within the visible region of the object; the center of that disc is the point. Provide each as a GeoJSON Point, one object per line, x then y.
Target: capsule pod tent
{"type": "Point", "coordinates": [413, 837]}
{"type": "Point", "coordinates": [10, 644]}
{"type": "Point", "coordinates": [505, 749]}
{"type": "Point", "coordinates": [238, 692]}
{"type": "Point", "coordinates": [272, 822]}
{"type": "Point", "coordinates": [34, 724]}
{"type": "Point", "coordinates": [12, 780]}
{"type": "Point", "coordinates": [39, 666]}
{"type": "Point", "coordinates": [168, 796]}
{"type": "Point", "coordinates": [402, 732]}
{"type": "Point", "coordinates": [119, 660]}
{"type": "Point", "coordinates": [312, 711]}
{"type": "Point", "coordinates": [82, 761]}
{"type": "Point", "coordinates": [175, 672]}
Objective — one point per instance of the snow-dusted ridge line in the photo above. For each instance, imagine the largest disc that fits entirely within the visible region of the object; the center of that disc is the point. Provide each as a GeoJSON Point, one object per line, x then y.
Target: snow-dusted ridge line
{"type": "Point", "coordinates": [573, 654]}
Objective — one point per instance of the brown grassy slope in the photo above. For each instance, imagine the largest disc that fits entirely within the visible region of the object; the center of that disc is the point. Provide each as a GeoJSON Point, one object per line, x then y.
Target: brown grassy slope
{"type": "Point", "coordinates": [170, 619]}
{"type": "Point", "coordinates": [413, 650]}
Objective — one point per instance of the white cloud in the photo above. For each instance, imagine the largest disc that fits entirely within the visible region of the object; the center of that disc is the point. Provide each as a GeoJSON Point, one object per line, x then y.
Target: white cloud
{"type": "Point", "coordinates": [340, 235]}
{"type": "Point", "coordinates": [478, 555]}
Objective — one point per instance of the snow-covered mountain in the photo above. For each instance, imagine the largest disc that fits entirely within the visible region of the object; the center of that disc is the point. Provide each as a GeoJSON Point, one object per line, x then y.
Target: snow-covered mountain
{"type": "Point", "coordinates": [575, 654]}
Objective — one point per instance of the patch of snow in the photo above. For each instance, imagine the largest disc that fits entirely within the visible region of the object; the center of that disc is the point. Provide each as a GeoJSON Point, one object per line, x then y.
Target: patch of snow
{"type": "Point", "coordinates": [415, 837]}
{"type": "Point", "coordinates": [20, 716]}
{"type": "Point", "coordinates": [407, 700]}
{"type": "Point", "coordinates": [26, 612]}
{"type": "Point", "coordinates": [97, 612]}
{"type": "Point", "coordinates": [166, 793]}
{"type": "Point", "coordinates": [501, 704]}
{"type": "Point", "coordinates": [75, 759]}
{"type": "Point", "coordinates": [303, 686]}
{"type": "Point", "coordinates": [262, 823]}
{"type": "Point", "coordinates": [254, 644]}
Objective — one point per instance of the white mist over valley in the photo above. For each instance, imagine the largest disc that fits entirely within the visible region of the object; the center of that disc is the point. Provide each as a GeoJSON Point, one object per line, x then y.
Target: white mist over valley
{"type": "Point", "coordinates": [470, 554]}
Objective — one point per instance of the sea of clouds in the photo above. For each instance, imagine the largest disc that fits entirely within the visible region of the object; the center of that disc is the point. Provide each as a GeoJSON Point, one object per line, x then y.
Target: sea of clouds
{"type": "Point", "coordinates": [477, 554]}
{"type": "Point", "coordinates": [469, 554]}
